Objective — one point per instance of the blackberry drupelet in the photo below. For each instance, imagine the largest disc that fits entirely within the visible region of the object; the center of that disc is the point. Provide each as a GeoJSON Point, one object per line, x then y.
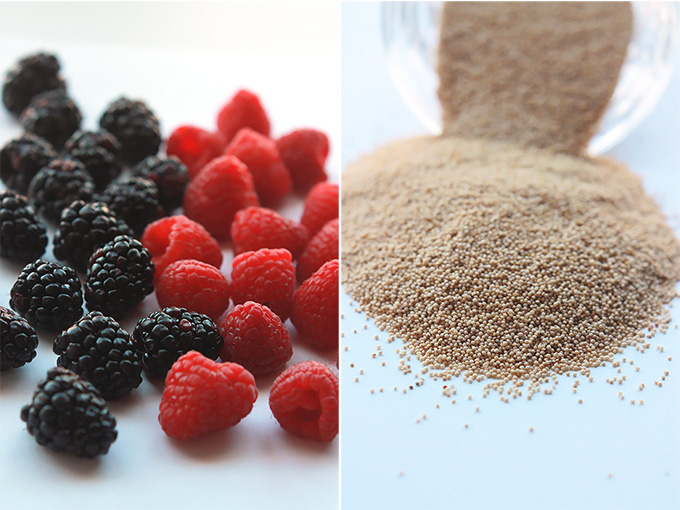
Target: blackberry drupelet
{"type": "Point", "coordinates": [52, 115]}
{"type": "Point", "coordinates": [99, 152]}
{"type": "Point", "coordinates": [48, 295]}
{"type": "Point", "coordinates": [135, 126]}
{"type": "Point", "coordinates": [170, 176]}
{"type": "Point", "coordinates": [119, 276]}
{"type": "Point", "coordinates": [30, 76]}
{"type": "Point", "coordinates": [18, 340]}
{"type": "Point", "coordinates": [59, 184]}
{"type": "Point", "coordinates": [83, 228]}
{"type": "Point", "coordinates": [22, 237]}
{"type": "Point", "coordinates": [163, 336]}
{"type": "Point", "coordinates": [101, 352]}
{"type": "Point", "coordinates": [22, 158]}
{"type": "Point", "coordinates": [135, 201]}
{"type": "Point", "coordinates": [69, 415]}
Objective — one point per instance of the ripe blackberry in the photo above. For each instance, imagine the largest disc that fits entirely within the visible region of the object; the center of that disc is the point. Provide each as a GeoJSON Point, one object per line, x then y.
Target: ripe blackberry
{"type": "Point", "coordinates": [135, 201]}
{"type": "Point", "coordinates": [18, 340]}
{"type": "Point", "coordinates": [52, 115]}
{"type": "Point", "coordinates": [59, 184]}
{"type": "Point", "coordinates": [135, 126]}
{"type": "Point", "coordinates": [22, 236]}
{"type": "Point", "coordinates": [82, 229]}
{"type": "Point", "coordinates": [30, 76]}
{"type": "Point", "coordinates": [163, 336]}
{"type": "Point", "coordinates": [69, 415]}
{"type": "Point", "coordinates": [119, 276]}
{"type": "Point", "coordinates": [22, 158]}
{"type": "Point", "coordinates": [170, 176]}
{"type": "Point", "coordinates": [99, 152]}
{"type": "Point", "coordinates": [101, 352]}
{"type": "Point", "coordinates": [48, 295]}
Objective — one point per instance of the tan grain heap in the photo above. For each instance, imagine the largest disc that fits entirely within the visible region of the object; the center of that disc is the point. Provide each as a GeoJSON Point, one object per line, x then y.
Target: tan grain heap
{"type": "Point", "coordinates": [494, 261]}
{"type": "Point", "coordinates": [535, 73]}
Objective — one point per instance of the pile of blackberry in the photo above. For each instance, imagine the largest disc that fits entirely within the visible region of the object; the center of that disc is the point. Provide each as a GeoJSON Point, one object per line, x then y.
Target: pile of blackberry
{"type": "Point", "coordinates": [99, 152]}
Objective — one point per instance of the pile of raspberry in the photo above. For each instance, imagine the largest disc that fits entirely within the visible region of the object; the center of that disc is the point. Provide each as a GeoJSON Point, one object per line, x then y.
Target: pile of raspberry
{"type": "Point", "coordinates": [132, 222]}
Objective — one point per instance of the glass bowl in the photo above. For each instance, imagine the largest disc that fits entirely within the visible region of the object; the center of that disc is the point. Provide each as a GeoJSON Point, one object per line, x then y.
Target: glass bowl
{"type": "Point", "coordinates": [411, 37]}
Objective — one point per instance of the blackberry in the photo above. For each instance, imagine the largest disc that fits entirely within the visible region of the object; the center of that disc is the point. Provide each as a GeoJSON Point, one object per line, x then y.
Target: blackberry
{"type": "Point", "coordinates": [18, 340]}
{"type": "Point", "coordinates": [163, 336]}
{"type": "Point", "coordinates": [169, 174]}
{"type": "Point", "coordinates": [52, 115]}
{"type": "Point", "coordinates": [135, 201]}
{"type": "Point", "coordinates": [69, 415]}
{"type": "Point", "coordinates": [59, 184]}
{"type": "Point", "coordinates": [30, 76]}
{"type": "Point", "coordinates": [99, 152]}
{"type": "Point", "coordinates": [21, 158]}
{"type": "Point", "coordinates": [22, 236]}
{"type": "Point", "coordinates": [119, 276]}
{"type": "Point", "coordinates": [101, 352]}
{"type": "Point", "coordinates": [48, 295]}
{"type": "Point", "coordinates": [82, 229]}
{"type": "Point", "coordinates": [135, 126]}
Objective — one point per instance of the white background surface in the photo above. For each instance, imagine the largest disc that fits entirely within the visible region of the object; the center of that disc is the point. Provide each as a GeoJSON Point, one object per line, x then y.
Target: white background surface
{"type": "Point", "coordinates": [604, 453]}
{"type": "Point", "coordinates": [186, 60]}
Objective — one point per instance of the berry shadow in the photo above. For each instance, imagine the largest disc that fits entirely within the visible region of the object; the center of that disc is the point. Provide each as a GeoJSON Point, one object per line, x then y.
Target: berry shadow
{"type": "Point", "coordinates": [10, 379]}
{"type": "Point", "coordinates": [210, 448]}
{"type": "Point", "coordinates": [307, 445]}
{"type": "Point", "coordinates": [78, 466]}
{"type": "Point", "coordinates": [125, 404]}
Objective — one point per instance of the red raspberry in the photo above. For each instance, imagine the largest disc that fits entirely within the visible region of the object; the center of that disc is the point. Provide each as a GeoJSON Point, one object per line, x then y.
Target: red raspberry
{"type": "Point", "coordinates": [264, 276]}
{"type": "Point", "coordinates": [176, 238]}
{"type": "Point", "coordinates": [255, 337]}
{"type": "Point", "coordinates": [321, 206]}
{"type": "Point", "coordinates": [260, 155]}
{"type": "Point", "coordinates": [242, 110]}
{"type": "Point", "coordinates": [223, 187]}
{"type": "Point", "coordinates": [255, 227]}
{"type": "Point", "coordinates": [315, 307]}
{"type": "Point", "coordinates": [194, 285]}
{"type": "Point", "coordinates": [195, 147]}
{"type": "Point", "coordinates": [304, 400]}
{"type": "Point", "coordinates": [304, 152]}
{"type": "Point", "coordinates": [324, 246]}
{"type": "Point", "coordinates": [202, 396]}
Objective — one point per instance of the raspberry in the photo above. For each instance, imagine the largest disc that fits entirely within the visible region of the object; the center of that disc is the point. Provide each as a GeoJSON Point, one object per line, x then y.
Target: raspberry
{"type": "Point", "coordinates": [324, 246]}
{"type": "Point", "coordinates": [255, 227]}
{"type": "Point", "coordinates": [163, 336]}
{"type": "Point", "coordinates": [223, 187]}
{"type": "Point", "coordinates": [321, 206]}
{"type": "Point", "coordinates": [304, 152]}
{"type": "Point", "coordinates": [304, 400]}
{"type": "Point", "coordinates": [255, 337]}
{"type": "Point", "coordinates": [177, 237]}
{"type": "Point", "coordinates": [242, 110]}
{"type": "Point", "coordinates": [260, 155]}
{"type": "Point", "coordinates": [315, 307]}
{"type": "Point", "coordinates": [194, 285]}
{"type": "Point", "coordinates": [195, 147]}
{"type": "Point", "coordinates": [169, 175]}
{"type": "Point", "coordinates": [202, 396]}
{"type": "Point", "coordinates": [264, 276]}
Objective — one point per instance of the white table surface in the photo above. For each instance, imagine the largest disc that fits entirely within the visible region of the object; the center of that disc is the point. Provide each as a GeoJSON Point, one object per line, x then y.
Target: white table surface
{"type": "Point", "coordinates": [186, 60]}
{"type": "Point", "coordinates": [604, 453]}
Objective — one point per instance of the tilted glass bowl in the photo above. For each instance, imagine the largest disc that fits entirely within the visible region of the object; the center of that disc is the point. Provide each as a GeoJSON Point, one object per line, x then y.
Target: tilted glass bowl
{"type": "Point", "coordinates": [411, 38]}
